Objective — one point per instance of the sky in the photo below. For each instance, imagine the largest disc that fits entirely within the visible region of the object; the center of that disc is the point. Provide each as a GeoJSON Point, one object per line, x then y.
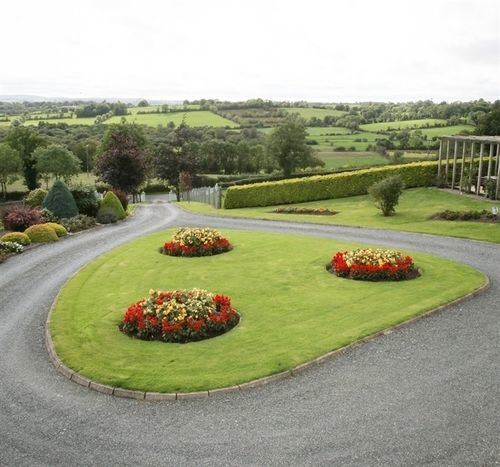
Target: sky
{"type": "Point", "coordinates": [317, 50]}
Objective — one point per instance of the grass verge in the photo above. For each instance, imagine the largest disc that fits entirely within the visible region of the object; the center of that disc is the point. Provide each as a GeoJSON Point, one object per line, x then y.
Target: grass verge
{"type": "Point", "coordinates": [291, 309]}
{"type": "Point", "coordinates": [412, 214]}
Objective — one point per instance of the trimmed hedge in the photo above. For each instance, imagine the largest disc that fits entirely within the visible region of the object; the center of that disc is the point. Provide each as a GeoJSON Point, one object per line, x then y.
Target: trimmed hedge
{"type": "Point", "coordinates": [112, 204]}
{"type": "Point", "coordinates": [18, 237]}
{"type": "Point", "coordinates": [59, 229]}
{"type": "Point", "coordinates": [319, 187]}
{"type": "Point", "coordinates": [41, 233]}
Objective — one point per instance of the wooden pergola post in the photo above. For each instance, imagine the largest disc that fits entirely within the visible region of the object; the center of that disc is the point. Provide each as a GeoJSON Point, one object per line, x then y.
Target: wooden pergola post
{"type": "Point", "coordinates": [497, 164]}
{"type": "Point", "coordinates": [439, 158]}
{"type": "Point", "coordinates": [455, 151]}
{"type": "Point", "coordinates": [447, 159]}
{"type": "Point", "coordinates": [462, 167]}
{"type": "Point", "coordinates": [498, 175]}
{"type": "Point", "coordinates": [490, 160]}
{"type": "Point", "coordinates": [480, 168]}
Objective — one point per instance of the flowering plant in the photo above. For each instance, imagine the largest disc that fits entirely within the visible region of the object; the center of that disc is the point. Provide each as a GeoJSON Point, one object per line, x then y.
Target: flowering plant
{"type": "Point", "coordinates": [196, 242]}
{"type": "Point", "coordinates": [315, 211]}
{"type": "Point", "coordinates": [11, 247]}
{"type": "Point", "coordinates": [373, 265]}
{"type": "Point", "coordinates": [179, 316]}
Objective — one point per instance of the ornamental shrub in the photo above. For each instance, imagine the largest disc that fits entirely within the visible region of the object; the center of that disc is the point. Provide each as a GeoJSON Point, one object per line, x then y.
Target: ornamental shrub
{"type": "Point", "coordinates": [41, 233]}
{"type": "Point", "coordinates": [111, 204]}
{"type": "Point", "coordinates": [19, 218]}
{"type": "Point", "coordinates": [78, 223]}
{"type": "Point", "coordinates": [11, 247]}
{"type": "Point", "coordinates": [179, 316]}
{"type": "Point", "coordinates": [85, 199]}
{"type": "Point", "coordinates": [319, 187]}
{"type": "Point", "coordinates": [59, 229]}
{"type": "Point", "coordinates": [17, 237]}
{"type": "Point", "coordinates": [386, 194]}
{"type": "Point", "coordinates": [122, 196]}
{"type": "Point", "coordinates": [106, 216]}
{"type": "Point", "coordinates": [60, 201]}
{"type": "Point", "coordinates": [35, 197]}
{"type": "Point", "coordinates": [48, 216]}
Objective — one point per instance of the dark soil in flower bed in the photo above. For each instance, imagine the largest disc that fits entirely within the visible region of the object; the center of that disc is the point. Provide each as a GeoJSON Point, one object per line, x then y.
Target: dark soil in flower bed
{"type": "Point", "coordinates": [313, 211]}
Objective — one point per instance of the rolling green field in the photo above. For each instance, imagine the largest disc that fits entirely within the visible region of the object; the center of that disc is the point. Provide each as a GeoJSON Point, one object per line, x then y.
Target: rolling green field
{"type": "Point", "coordinates": [292, 310]}
{"type": "Point", "coordinates": [447, 130]}
{"type": "Point", "coordinates": [342, 159]}
{"type": "Point", "coordinates": [399, 125]}
{"type": "Point", "coordinates": [197, 118]}
{"type": "Point", "coordinates": [310, 112]}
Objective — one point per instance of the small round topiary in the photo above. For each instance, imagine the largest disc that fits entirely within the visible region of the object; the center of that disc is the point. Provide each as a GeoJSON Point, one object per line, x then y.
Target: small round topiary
{"type": "Point", "coordinates": [113, 204]}
{"type": "Point", "coordinates": [41, 233]}
{"type": "Point", "coordinates": [59, 229]}
{"type": "Point", "coordinates": [35, 197]}
{"type": "Point", "coordinates": [17, 237]}
{"type": "Point", "coordinates": [60, 201]}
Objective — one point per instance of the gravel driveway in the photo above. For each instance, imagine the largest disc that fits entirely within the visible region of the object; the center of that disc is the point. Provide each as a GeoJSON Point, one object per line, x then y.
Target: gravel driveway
{"type": "Point", "coordinates": [427, 393]}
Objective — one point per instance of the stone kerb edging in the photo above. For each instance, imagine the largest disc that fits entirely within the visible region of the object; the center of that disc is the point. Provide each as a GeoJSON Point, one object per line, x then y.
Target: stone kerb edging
{"type": "Point", "coordinates": [157, 396]}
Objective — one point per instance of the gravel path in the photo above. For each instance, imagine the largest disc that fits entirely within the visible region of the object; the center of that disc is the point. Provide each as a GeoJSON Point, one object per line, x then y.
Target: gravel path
{"type": "Point", "coordinates": [427, 393]}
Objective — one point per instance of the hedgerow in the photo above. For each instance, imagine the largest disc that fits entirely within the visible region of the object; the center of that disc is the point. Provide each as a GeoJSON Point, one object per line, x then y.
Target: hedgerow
{"type": "Point", "coordinates": [327, 186]}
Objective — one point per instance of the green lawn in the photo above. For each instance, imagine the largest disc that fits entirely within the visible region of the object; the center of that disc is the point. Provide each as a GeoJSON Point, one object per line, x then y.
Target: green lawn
{"type": "Point", "coordinates": [400, 124]}
{"type": "Point", "coordinates": [291, 309]}
{"type": "Point", "coordinates": [412, 214]}
{"type": "Point", "coordinates": [84, 178]}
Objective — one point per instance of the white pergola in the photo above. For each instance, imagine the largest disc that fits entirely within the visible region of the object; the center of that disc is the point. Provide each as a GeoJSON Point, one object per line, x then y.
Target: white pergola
{"type": "Point", "coordinates": [468, 146]}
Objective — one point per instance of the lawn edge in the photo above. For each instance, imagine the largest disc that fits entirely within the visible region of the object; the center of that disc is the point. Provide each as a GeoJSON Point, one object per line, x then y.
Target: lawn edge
{"type": "Point", "coordinates": [81, 380]}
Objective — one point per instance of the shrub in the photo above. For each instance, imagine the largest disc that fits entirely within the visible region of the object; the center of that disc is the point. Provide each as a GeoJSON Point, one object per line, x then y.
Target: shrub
{"type": "Point", "coordinates": [484, 215]}
{"type": "Point", "coordinates": [17, 237]}
{"type": "Point", "coordinates": [122, 196]}
{"type": "Point", "coordinates": [373, 265]}
{"type": "Point", "coordinates": [386, 194]}
{"type": "Point", "coordinates": [41, 233]}
{"type": "Point", "coordinates": [47, 216]}
{"type": "Point", "coordinates": [59, 201]}
{"type": "Point", "coordinates": [111, 204]}
{"type": "Point", "coordinates": [35, 197]}
{"type": "Point", "coordinates": [327, 186]}
{"type": "Point", "coordinates": [78, 223]}
{"type": "Point", "coordinates": [85, 199]}
{"type": "Point", "coordinates": [19, 218]}
{"type": "Point", "coordinates": [11, 247]}
{"type": "Point", "coordinates": [179, 316]}
{"type": "Point", "coordinates": [106, 216]}
{"type": "Point", "coordinates": [314, 211]}
{"type": "Point", "coordinates": [196, 242]}
{"type": "Point", "coordinates": [59, 229]}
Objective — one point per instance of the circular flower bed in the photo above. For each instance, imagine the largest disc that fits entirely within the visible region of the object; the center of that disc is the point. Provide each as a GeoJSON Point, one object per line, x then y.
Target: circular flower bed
{"type": "Point", "coordinates": [179, 316]}
{"type": "Point", "coordinates": [373, 265]}
{"type": "Point", "coordinates": [196, 242]}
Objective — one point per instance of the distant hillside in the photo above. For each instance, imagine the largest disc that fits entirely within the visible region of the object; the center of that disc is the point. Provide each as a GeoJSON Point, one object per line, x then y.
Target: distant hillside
{"type": "Point", "coordinates": [32, 98]}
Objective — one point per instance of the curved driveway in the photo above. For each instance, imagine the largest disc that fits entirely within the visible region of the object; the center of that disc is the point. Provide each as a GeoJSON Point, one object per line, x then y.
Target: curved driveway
{"type": "Point", "coordinates": [427, 393]}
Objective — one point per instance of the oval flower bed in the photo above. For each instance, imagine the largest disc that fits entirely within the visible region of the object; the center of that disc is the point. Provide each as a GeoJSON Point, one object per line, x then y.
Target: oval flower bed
{"type": "Point", "coordinates": [179, 316]}
{"type": "Point", "coordinates": [314, 211]}
{"type": "Point", "coordinates": [373, 265]}
{"type": "Point", "coordinates": [196, 242]}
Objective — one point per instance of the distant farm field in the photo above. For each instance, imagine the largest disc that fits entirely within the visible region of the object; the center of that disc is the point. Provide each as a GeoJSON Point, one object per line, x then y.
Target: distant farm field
{"type": "Point", "coordinates": [402, 124]}
{"type": "Point", "coordinates": [338, 160]}
{"type": "Point", "coordinates": [310, 112]}
{"type": "Point", "coordinates": [196, 118]}
{"type": "Point", "coordinates": [447, 130]}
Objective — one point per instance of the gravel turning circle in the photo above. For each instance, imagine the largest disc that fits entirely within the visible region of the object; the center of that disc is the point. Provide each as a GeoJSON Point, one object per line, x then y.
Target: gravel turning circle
{"type": "Point", "coordinates": [425, 393]}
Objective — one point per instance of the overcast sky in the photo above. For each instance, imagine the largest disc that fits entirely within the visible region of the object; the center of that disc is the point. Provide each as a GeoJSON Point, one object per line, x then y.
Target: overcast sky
{"type": "Point", "coordinates": [317, 50]}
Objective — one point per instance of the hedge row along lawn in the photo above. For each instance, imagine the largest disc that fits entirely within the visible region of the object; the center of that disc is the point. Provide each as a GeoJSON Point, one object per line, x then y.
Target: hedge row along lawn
{"type": "Point", "coordinates": [412, 214]}
{"type": "Point", "coordinates": [292, 310]}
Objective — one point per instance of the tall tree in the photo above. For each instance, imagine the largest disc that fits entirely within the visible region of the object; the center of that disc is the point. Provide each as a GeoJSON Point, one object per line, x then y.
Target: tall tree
{"type": "Point", "coordinates": [10, 166]}
{"type": "Point", "coordinates": [175, 157]}
{"type": "Point", "coordinates": [287, 145]}
{"type": "Point", "coordinates": [489, 123]}
{"type": "Point", "coordinates": [123, 162]}
{"type": "Point", "coordinates": [56, 160]}
{"type": "Point", "coordinates": [25, 139]}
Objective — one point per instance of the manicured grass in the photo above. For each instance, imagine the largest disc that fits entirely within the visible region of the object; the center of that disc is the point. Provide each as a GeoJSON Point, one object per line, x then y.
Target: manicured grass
{"type": "Point", "coordinates": [400, 124]}
{"type": "Point", "coordinates": [291, 309]}
{"type": "Point", "coordinates": [412, 214]}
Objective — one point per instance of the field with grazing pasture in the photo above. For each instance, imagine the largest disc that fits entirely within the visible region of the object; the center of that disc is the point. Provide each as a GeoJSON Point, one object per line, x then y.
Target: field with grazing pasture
{"type": "Point", "coordinates": [403, 124]}
{"type": "Point", "coordinates": [310, 112]}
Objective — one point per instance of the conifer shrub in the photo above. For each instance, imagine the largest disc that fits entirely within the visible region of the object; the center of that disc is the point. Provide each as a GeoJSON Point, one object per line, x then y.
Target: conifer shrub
{"type": "Point", "coordinates": [59, 229]}
{"type": "Point", "coordinates": [34, 198]}
{"type": "Point", "coordinates": [85, 199]}
{"type": "Point", "coordinates": [111, 204]}
{"type": "Point", "coordinates": [41, 233]}
{"type": "Point", "coordinates": [17, 237]}
{"type": "Point", "coordinates": [60, 201]}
